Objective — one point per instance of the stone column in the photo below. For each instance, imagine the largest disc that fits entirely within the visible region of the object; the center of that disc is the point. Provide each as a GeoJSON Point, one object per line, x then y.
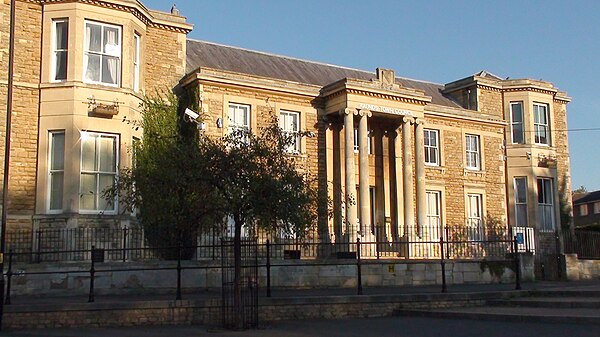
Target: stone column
{"type": "Point", "coordinates": [409, 213]}
{"type": "Point", "coordinates": [397, 155]}
{"type": "Point", "coordinates": [350, 194]}
{"type": "Point", "coordinates": [420, 172]}
{"type": "Point", "coordinates": [363, 171]}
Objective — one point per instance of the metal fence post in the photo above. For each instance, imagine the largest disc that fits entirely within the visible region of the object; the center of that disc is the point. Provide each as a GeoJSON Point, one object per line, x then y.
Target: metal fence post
{"type": "Point", "coordinates": [447, 230]}
{"type": "Point", "coordinates": [517, 264]}
{"type": "Point", "coordinates": [9, 274]}
{"type": "Point", "coordinates": [92, 273]}
{"type": "Point", "coordinates": [39, 245]}
{"type": "Point", "coordinates": [268, 268]}
{"type": "Point", "coordinates": [558, 254]}
{"type": "Point", "coordinates": [443, 263]}
{"type": "Point", "coordinates": [178, 293]}
{"type": "Point", "coordinates": [124, 250]}
{"type": "Point", "coordinates": [358, 267]}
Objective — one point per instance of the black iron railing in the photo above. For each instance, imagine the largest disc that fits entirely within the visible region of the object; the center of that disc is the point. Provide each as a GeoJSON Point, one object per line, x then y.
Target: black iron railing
{"type": "Point", "coordinates": [586, 244]}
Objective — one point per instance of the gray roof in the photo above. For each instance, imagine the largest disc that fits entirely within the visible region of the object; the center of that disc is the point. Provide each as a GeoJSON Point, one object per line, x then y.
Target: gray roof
{"type": "Point", "coordinates": [216, 56]}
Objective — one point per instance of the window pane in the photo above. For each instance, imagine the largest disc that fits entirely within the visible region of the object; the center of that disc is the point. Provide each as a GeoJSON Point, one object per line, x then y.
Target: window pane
{"type": "Point", "coordinates": [521, 190]}
{"type": "Point", "coordinates": [521, 215]}
{"type": "Point", "coordinates": [61, 65]}
{"type": "Point", "coordinates": [62, 33]}
{"type": "Point", "coordinates": [111, 41]}
{"type": "Point", "coordinates": [517, 113]}
{"type": "Point", "coordinates": [106, 181]}
{"type": "Point", "coordinates": [88, 152]}
{"type": "Point", "coordinates": [110, 69]}
{"type": "Point", "coordinates": [107, 154]}
{"type": "Point", "coordinates": [517, 133]}
{"type": "Point", "coordinates": [88, 191]}
{"type": "Point", "coordinates": [92, 69]}
{"type": "Point", "coordinates": [94, 37]}
{"type": "Point", "coordinates": [57, 155]}
{"type": "Point", "coordinates": [56, 190]}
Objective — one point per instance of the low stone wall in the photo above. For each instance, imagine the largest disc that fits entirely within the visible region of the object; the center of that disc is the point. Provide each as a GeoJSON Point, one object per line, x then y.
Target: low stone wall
{"type": "Point", "coordinates": [208, 312]}
{"type": "Point", "coordinates": [161, 277]}
{"type": "Point", "coordinates": [581, 269]}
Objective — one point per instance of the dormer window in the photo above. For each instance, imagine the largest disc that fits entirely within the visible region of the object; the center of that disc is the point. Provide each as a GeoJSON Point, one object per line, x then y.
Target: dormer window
{"type": "Point", "coordinates": [102, 53]}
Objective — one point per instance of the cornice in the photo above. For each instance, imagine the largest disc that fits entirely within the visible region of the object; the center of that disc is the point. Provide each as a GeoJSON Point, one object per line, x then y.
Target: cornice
{"type": "Point", "coordinates": [136, 10]}
{"type": "Point", "coordinates": [454, 113]}
{"type": "Point", "coordinates": [530, 88]}
{"type": "Point", "coordinates": [390, 97]}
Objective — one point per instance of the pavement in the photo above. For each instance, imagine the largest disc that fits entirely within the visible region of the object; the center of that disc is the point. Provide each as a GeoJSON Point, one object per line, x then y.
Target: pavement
{"type": "Point", "coordinates": [473, 321]}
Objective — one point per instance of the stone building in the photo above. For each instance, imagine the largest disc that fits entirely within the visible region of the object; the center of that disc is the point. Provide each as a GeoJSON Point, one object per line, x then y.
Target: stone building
{"type": "Point", "coordinates": [417, 155]}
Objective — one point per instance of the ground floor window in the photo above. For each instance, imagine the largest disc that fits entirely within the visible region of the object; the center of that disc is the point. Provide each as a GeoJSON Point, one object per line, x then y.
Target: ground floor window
{"type": "Point", "coordinates": [545, 204]}
{"type": "Point", "coordinates": [474, 217]}
{"type": "Point", "coordinates": [99, 162]}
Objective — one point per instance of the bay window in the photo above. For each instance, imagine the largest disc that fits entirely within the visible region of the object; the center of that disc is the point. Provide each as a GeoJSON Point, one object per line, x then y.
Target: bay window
{"type": "Point", "coordinates": [545, 204]}
{"type": "Point", "coordinates": [56, 170]}
{"type": "Point", "coordinates": [99, 162]}
{"type": "Point", "coordinates": [541, 124]}
{"type": "Point", "coordinates": [60, 42]}
{"type": "Point", "coordinates": [102, 53]}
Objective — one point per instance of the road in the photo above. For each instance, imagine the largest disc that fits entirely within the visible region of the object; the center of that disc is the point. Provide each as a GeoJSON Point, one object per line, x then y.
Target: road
{"type": "Point", "coordinates": [380, 327]}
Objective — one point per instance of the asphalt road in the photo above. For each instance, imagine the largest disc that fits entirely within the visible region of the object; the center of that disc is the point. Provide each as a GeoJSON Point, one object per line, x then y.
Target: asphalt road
{"type": "Point", "coordinates": [364, 327]}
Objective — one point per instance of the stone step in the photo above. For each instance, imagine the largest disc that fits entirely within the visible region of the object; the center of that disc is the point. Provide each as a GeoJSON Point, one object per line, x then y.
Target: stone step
{"type": "Point", "coordinates": [566, 293]}
{"type": "Point", "coordinates": [549, 302]}
{"type": "Point", "coordinates": [514, 314]}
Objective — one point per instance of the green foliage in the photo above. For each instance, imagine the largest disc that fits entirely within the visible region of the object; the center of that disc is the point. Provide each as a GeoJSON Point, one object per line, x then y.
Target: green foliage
{"type": "Point", "coordinates": [183, 184]}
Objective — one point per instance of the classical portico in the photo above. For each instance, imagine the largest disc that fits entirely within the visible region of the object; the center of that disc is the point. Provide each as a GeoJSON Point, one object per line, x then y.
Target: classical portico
{"type": "Point", "coordinates": [376, 149]}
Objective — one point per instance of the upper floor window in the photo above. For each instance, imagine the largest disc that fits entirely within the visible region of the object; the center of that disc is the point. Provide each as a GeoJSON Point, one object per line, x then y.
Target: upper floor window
{"type": "Point", "coordinates": [370, 143]}
{"type": "Point", "coordinates": [99, 162]}
{"type": "Point", "coordinates": [472, 152]}
{"type": "Point", "coordinates": [289, 122]}
{"type": "Point", "coordinates": [60, 44]}
{"type": "Point", "coordinates": [56, 170]}
{"type": "Point", "coordinates": [583, 210]}
{"type": "Point", "coordinates": [521, 201]}
{"type": "Point", "coordinates": [545, 204]}
{"type": "Point", "coordinates": [136, 62]}
{"type": "Point", "coordinates": [432, 150]}
{"type": "Point", "coordinates": [102, 53]}
{"type": "Point", "coordinates": [596, 207]}
{"type": "Point", "coordinates": [239, 119]}
{"type": "Point", "coordinates": [516, 122]}
{"type": "Point", "coordinates": [541, 124]}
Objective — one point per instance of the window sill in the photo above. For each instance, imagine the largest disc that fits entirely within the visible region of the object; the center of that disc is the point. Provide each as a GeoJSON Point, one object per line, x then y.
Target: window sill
{"type": "Point", "coordinates": [441, 169]}
{"type": "Point", "coordinates": [473, 173]}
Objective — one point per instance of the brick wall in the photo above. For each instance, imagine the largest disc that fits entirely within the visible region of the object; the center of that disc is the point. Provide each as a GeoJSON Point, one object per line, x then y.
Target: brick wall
{"type": "Point", "coordinates": [164, 59]}
{"type": "Point", "coordinates": [25, 106]}
{"type": "Point", "coordinates": [490, 102]}
{"type": "Point", "coordinates": [563, 165]}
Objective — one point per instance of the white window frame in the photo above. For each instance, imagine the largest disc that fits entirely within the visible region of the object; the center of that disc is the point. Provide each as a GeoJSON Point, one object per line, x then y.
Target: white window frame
{"type": "Point", "coordinates": [233, 124]}
{"type": "Point", "coordinates": [294, 131]}
{"type": "Point", "coordinates": [429, 148]}
{"type": "Point", "coordinates": [357, 141]}
{"type": "Point", "coordinates": [55, 172]}
{"type": "Point", "coordinates": [434, 214]}
{"type": "Point", "coordinates": [540, 127]}
{"type": "Point", "coordinates": [474, 217]}
{"type": "Point", "coordinates": [596, 207]}
{"type": "Point", "coordinates": [519, 203]}
{"type": "Point", "coordinates": [102, 53]}
{"type": "Point", "coordinates": [56, 50]}
{"type": "Point", "coordinates": [472, 154]}
{"type": "Point", "coordinates": [136, 61]}
{"type": "Point", "coordinates": [546, 206]}
{"type": "Point", "coordinates": [97, 172]}
{"type": "Point", "coordinates": [583, 210]}
{"type": "Point", "coordinates": [513, 123]}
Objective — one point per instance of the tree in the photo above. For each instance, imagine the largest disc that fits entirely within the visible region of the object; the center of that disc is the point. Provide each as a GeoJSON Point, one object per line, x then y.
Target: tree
{"type": "Point", "coordinates": [258, 185]}
{"type": "Point", "coordinates": [163, 185]}
{"type": "Point", "coordinates": [183, 184]}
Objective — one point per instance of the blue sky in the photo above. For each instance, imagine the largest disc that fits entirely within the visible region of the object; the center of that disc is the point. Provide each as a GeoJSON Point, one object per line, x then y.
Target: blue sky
{"type": "Point", "coordinates": [437, 41]}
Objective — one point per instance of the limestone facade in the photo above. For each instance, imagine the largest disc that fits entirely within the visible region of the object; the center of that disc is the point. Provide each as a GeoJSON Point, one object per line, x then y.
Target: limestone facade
{"type": "Point", "coordinates": [399, 158]}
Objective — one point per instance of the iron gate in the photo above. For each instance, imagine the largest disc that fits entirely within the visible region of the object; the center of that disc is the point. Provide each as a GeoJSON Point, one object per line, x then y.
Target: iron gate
{"type": "Point", "coordinates": [240, 312]}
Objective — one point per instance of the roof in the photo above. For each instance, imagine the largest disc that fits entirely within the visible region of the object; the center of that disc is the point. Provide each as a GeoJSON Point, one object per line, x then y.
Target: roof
{"type": "Point", "coordinates": [584, 198]}
{"type": "Point", "coordinates": [217, 56]}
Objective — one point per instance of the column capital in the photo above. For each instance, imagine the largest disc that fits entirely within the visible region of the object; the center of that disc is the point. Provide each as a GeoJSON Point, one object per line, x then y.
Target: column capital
{"type": "Point", "coordinates": [348, 111]}
{"type": "Point", "coordinates": [419, 121]}
{"type": "Point", "coordinates": [365, 112]}
{"type": "Point", "coordinates": [406, 119]}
